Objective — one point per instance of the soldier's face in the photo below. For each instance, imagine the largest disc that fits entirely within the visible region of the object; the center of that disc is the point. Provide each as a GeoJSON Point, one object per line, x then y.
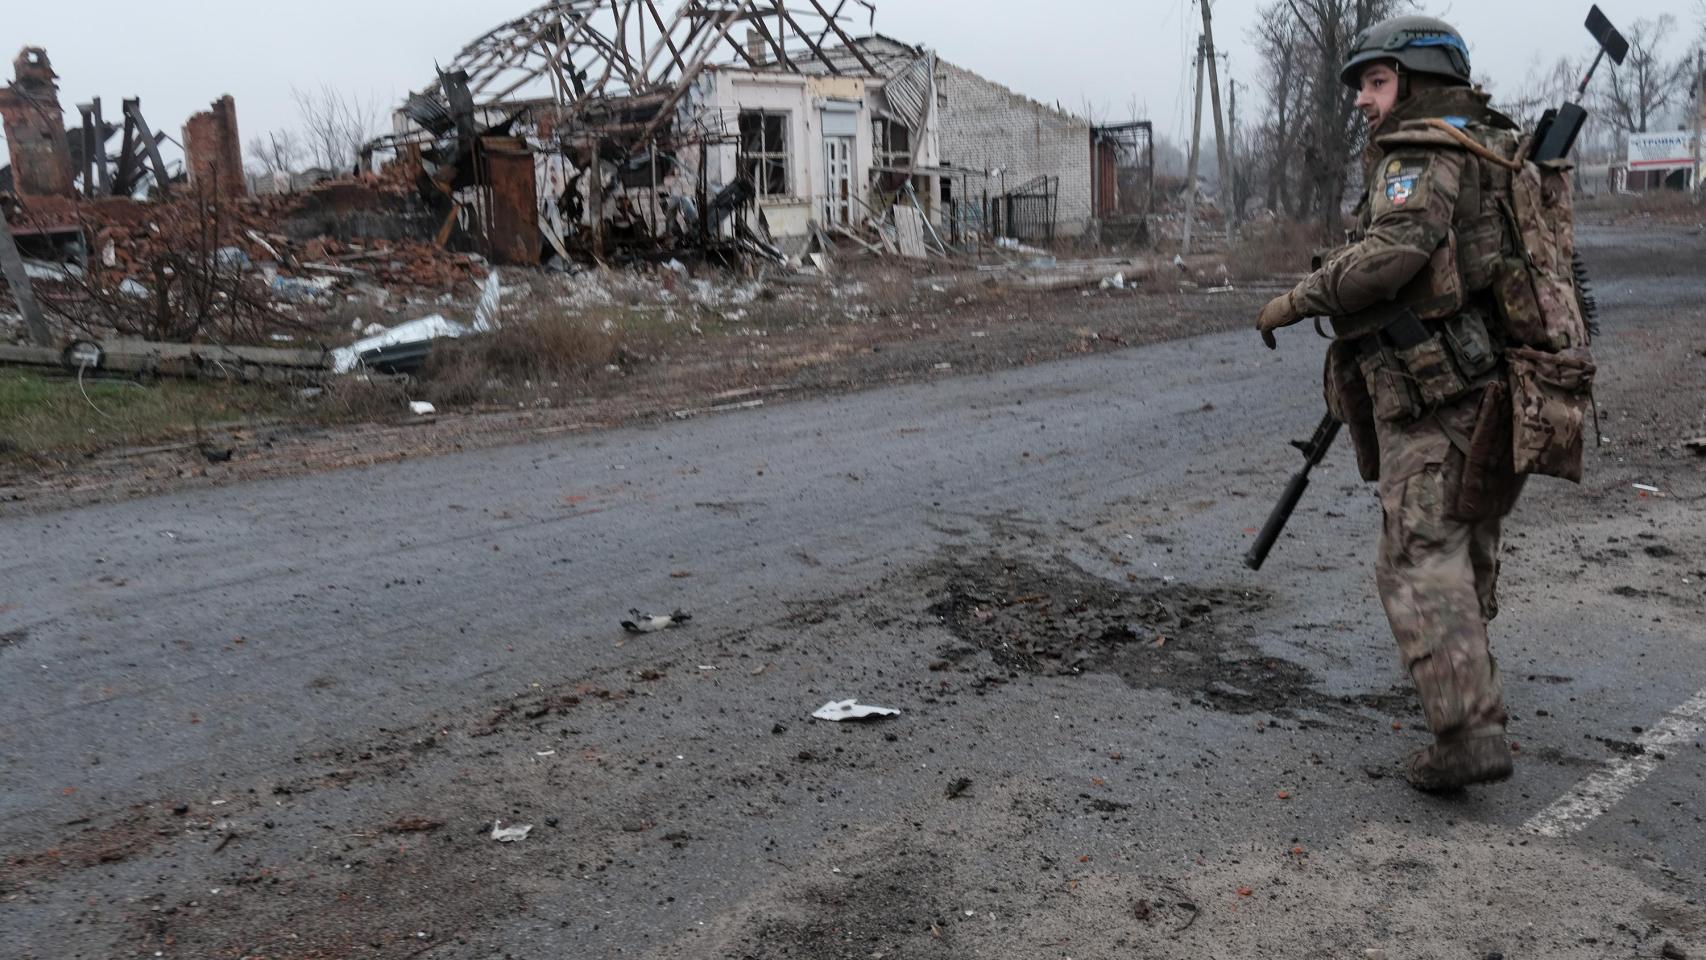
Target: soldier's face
{"type": "Point", "coordinates": [1378, 93]}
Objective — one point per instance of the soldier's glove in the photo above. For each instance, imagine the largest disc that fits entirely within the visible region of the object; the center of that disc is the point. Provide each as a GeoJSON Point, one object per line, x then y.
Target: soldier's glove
{"type": "Point", "coordinates": [1278, 313]}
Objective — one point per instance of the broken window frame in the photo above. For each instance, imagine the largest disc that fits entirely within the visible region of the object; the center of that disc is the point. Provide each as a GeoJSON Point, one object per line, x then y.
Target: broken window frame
{"type": "Point", "coordinates": [883, 130]}
{"type": "Point", "coordinates": [768, 167]}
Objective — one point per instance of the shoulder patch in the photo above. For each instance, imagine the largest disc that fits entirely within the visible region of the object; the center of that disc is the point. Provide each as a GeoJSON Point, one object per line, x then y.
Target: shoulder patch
{"type": "Point", "coordinates": [1458, 122]}
{"type": "Point", "coordinates": [1401, 179]}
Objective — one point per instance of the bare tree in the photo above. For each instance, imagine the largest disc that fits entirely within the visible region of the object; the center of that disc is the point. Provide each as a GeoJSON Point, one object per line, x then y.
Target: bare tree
{"type": "Point", "coordinates": [335, 125]}
{"type": "Point", "coordinates": [1634, 94]}
{"type": "Point", "coordinates": [1545, 88]}
{"type": "Point", "coordinates": [275, 152]}
{"type": "Point", "coordinates": [1313, 134]}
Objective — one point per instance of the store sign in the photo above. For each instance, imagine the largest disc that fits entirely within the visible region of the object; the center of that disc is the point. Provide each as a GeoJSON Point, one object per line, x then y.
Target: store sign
{"type": "Point", "coordinates": [1656, 151]}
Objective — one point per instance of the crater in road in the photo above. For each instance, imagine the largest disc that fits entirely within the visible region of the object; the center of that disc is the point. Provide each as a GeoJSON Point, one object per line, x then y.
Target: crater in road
{"type": "Point", "coordinates": [1062, 620]}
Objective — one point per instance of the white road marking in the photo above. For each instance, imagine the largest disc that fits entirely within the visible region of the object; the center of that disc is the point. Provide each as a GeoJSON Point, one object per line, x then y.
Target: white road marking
{"type": "Point", "coordinates": [1604, 788]}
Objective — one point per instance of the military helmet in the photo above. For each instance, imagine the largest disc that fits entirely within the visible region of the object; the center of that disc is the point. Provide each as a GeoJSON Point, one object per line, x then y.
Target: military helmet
{"type": "Point", "coordinates": [1418, 44]}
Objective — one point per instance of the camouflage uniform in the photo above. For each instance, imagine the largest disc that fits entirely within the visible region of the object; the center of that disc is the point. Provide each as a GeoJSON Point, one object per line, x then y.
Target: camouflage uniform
{"type": "Point", "coordinates": [1427, 219]}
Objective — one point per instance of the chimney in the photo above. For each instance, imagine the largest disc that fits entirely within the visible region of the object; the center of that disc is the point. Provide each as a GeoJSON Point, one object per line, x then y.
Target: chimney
{"type": "Point", "coordinates": [755, 45]}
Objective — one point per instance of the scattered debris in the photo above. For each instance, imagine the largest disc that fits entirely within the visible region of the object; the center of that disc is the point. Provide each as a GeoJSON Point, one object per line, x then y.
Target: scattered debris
{"type": "Point", "coordinates": [421, 408]}
{"type": "Point", "coordinates": [839, 710]}
{"type": "Point", "coordinates": [1698, 445]}
{"type": "Point", "coordinates": [959, 787]}
{"type": "Point", "coordinates": [511, 834]}
{"type": "Point", "coordinates": [414, 825]}
{"type": "Point", "coordinates": [692, 412]}
{"type": "Point", "coordinates": [651, 623]}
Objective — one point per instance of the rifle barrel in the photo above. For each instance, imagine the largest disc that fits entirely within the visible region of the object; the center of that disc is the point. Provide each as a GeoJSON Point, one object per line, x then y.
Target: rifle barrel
{"type": "Point", "coordinates": [1258, 552]}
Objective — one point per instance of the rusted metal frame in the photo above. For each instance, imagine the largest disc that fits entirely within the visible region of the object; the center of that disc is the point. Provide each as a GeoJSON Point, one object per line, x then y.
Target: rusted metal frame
{"type": "Point", "coordinates": [805, 37]}
{"type": "Point", "coordinates": [512, 58]}
{"type": "Point", "coordinates": [127, 175]}
{"type": "Point", "coordinates": [829, 18]}
{"type": "Point", "coordinates": [852, 46]}
{"type": "Point", "coordinates": [621, 41]}
{"type": "Point", "coordinates": [598, 40]}
{"type": "Point", "coordinates": [727, 22]}
{"type": "Point", "coordinates": [516, 48]}
{"type": "Point", "coordinates": [133, 110]}
{"type": "Point", "coordinates": [494, 54]}
{"type": "Point", "coordinates": [89, 148]}
{"type": "Point", "coordinates": [664, 39]}
{"type": "Point", "coordinates": [535, 38]}
{"type": "Point", "coordinates": [105, 176]}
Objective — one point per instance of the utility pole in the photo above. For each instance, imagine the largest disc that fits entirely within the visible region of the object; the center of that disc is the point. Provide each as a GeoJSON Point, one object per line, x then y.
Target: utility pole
{"type": "Point", "coordinates": [18, 278]}
{"type": "Point", "coordinates": [1214, 91]}
{"type": "Point", "coordinates": [1196, 138]}
{"type": "Point", "coordinates": [1699, 105]}
{"type": "Point", "coordinates": [1236, 213]}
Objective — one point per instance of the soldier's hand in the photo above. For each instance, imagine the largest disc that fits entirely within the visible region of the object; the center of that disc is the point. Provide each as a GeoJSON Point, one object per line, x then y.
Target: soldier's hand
{"type": "Point", "coordinates": [1278, 313]}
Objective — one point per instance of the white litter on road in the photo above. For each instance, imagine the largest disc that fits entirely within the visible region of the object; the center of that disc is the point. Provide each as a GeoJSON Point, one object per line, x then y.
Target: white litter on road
{"type": "Point", "coordinates": [1603, 789]}
{"type": "Point", "coordinates": [503, 834]}
{"type": "Point", "coordinates": [851, 710]}
{"type": "Point", "coordinates": [421, 408]}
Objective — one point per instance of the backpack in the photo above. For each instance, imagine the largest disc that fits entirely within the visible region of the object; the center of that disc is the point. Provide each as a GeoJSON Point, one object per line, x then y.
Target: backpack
{"type": "Point", "coordinates": [1540, 301]}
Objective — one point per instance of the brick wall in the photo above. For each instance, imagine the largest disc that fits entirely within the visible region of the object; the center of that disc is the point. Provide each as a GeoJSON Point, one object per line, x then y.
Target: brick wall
{"type": "Point", "coordinates": [35, 128]}
{"type": "Point", "coordinates": [984, 125]}
{"type": "Point", "coordinates": [213, 151]}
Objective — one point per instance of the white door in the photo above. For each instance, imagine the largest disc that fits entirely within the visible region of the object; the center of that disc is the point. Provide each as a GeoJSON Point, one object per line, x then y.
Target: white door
{"type": "Point", "coordinates": [838, 180]}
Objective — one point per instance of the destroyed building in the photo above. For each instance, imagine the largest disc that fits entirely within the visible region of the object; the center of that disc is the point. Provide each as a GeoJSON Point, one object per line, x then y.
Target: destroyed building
{"type": "Point", "coordinates": [1032, 158]}
{"type": "Point", "coordinates": [748, 128]}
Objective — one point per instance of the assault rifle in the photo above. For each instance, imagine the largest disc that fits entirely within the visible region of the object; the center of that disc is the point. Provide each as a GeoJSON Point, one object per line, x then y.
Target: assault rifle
{"type": "Point", "coordinates": [1554, 138]}
{"type": "Point", "coordinates": [1313, 450]}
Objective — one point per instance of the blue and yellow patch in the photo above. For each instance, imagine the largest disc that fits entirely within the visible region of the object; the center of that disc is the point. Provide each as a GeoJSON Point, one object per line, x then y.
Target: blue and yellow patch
{"type": "Point", "coordinates": [1402, 180]}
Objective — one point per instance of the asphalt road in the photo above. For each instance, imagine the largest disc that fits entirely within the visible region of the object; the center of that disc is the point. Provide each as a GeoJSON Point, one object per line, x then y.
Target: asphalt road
{"type": "Point", "coordinates": [219, 711]}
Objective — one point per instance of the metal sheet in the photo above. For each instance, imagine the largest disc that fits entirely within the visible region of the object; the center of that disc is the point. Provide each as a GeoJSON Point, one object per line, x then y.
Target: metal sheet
{"type": "Point", "coordinates": [514, 229]}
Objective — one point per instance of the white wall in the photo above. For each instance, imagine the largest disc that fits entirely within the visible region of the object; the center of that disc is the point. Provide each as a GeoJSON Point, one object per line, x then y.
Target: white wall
{"type": "Point", "coordinates": [985, 126]}
{"type": "Point", "coordinates": [802, 98]}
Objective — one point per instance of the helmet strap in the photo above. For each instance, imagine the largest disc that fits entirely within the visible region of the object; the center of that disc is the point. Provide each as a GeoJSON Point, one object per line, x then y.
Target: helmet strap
{"type": "Point", "coordinates": [1403, 81]}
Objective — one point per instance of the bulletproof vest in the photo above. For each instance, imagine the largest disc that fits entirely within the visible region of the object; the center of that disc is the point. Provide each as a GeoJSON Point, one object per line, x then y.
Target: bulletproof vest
{"type": "Point", "coordinates": [1464, 268]}
{"type": "Point", "coordinates": [1500, 286]}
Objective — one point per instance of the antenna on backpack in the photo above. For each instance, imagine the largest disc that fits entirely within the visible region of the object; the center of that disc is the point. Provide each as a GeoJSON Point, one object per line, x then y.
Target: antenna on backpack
{"type": "Point", "coordinates": [1555, 136]}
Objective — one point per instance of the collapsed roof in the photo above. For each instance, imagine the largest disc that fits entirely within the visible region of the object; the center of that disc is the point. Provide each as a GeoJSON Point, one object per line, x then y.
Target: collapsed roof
{"type": "Point", "coordinates": [580, 55]}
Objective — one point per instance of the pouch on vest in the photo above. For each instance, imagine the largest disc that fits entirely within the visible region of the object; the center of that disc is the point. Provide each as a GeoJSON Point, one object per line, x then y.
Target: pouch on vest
{"type": "Point", "coordinates": [1490, 483]}
{"type": "Point", "coordinates": [1550, 397]}
{"type": "Point", "coordinates": [1389, 387]}
{"type": "Point", "coordinates": [1349, 402]}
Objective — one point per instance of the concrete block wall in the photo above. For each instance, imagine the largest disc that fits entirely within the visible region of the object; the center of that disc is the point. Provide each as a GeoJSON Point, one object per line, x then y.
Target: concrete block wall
{"type": "Point", "coordinates": [984, 125]}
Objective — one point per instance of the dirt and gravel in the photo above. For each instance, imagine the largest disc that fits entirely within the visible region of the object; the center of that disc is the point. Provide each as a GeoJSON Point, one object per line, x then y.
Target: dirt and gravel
{"type": "Point", "coordinates": [279, 719]}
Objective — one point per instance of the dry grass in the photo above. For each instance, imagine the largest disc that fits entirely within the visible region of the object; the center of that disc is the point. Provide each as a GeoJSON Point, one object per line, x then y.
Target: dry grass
{"type": "Point", "coordinates": [528, 353]}
{"type": "Point", "coordinates": [1273, 248]}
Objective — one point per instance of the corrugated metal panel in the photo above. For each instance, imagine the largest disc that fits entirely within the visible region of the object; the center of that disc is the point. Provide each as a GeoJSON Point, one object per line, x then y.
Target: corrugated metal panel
{"type": "Point", "coordinates": [909, 91]}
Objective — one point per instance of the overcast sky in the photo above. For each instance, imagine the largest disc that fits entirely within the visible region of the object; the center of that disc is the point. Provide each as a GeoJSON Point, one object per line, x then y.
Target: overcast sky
{"type": "Point", "coordinates": [178, 55]}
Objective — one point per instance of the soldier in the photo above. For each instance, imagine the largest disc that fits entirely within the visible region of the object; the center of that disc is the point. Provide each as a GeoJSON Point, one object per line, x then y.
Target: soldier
{"type": "Point", "coordinates": [1416, 359]}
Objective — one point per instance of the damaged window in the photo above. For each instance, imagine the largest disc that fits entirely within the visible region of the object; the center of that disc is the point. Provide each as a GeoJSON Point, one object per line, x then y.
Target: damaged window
{"type": "Point", "coordinates": [764, 151]}
{"type": "Point", "coordinates": [893, 141]}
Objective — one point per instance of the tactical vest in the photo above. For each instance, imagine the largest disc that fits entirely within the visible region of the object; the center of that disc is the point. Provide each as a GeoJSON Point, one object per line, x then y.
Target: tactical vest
{"type": "Point", "coordinates": [1501, 286]}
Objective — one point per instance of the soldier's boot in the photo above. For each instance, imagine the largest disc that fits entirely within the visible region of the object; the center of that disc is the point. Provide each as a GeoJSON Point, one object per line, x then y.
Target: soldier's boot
{"type": "Point", "coordinates": [1459, 762]}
